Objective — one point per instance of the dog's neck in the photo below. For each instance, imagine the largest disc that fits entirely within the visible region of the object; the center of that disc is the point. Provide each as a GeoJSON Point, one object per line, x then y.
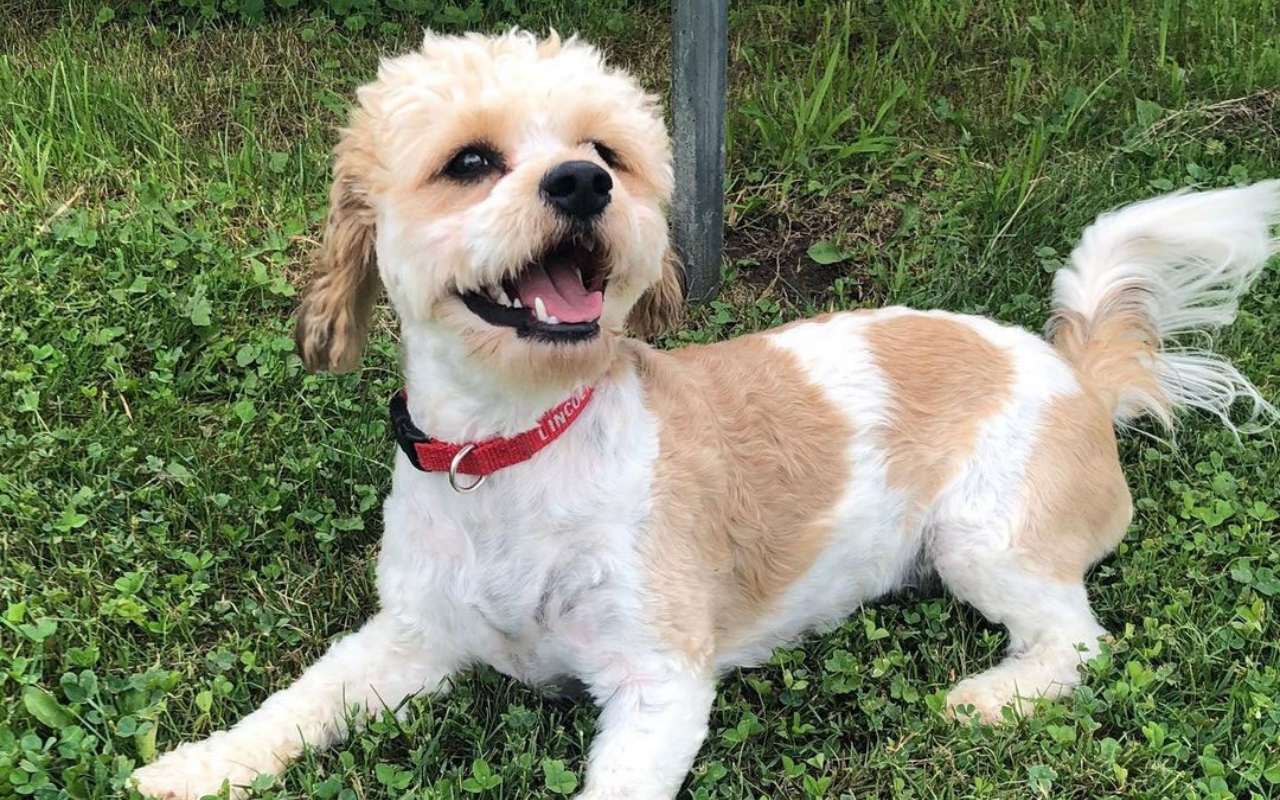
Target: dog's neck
{"type": "Point", "coordinates": [453, 400]}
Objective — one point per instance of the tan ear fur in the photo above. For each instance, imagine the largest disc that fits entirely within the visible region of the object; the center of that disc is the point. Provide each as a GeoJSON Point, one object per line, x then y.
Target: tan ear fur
{"type": "Point", "coordinates": [333, 320]}
{"type": "Point", "coordinates": [661, 307]}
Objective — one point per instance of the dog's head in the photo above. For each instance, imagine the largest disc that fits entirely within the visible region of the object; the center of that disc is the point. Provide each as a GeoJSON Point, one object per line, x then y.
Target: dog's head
{"type": "Point", "coordinates": [509, 193]}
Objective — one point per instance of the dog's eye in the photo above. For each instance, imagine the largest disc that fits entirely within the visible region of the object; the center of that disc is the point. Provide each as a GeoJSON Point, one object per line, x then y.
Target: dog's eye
{"type": "Point", "coordinates": [607, 154]}
{"type": "Point", "coordinates": [472, 162]}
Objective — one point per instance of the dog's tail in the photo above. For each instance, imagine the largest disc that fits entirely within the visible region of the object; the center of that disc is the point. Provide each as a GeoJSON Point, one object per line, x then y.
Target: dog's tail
{"type": "Point", "coordinates": [1147, 276]}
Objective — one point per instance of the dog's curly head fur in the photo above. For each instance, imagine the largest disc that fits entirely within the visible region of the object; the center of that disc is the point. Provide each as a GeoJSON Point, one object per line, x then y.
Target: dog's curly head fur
{"type": "Point", "coordinates": [440, 195]}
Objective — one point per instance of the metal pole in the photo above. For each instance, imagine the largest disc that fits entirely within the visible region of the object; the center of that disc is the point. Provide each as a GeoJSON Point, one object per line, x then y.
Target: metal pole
{"type": "Point", "coordinates": [700, 44]}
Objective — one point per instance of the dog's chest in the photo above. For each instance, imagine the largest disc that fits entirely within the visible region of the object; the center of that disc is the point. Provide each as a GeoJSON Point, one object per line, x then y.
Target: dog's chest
{"type": "Point", "coordinates": [543, 604]}
{"type": "Point", "coordinates": [539, 588]}
{"type": "Point", "coordinates": [534, 588]}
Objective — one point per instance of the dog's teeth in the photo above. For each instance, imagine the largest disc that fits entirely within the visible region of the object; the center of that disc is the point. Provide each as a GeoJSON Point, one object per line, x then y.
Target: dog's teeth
{"type": "Point", "coordinates": [502, 297]}
{"type": "Point", "coordinates": [553, 319]}
{"type": "Point", "coordinates": [539, 309]}
{"type": "Point", "coordinates": [492, 291]}
{"type": "Point", "coordinates": [516, 303]}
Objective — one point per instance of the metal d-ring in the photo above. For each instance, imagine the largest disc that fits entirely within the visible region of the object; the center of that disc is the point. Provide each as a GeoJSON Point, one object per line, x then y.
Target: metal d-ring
{"type": "Point", "coordinates": [453, 472]}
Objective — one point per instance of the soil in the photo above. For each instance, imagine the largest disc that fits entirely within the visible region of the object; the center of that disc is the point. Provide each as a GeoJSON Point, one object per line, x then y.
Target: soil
{"type": "Point", "coordinates": [771, 253]}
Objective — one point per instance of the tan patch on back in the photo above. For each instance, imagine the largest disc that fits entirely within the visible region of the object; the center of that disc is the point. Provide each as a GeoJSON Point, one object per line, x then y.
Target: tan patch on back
{"type": "Point", "coordinates": [946, 379]}
{"type": "Point", "coordinates": [1078, 504]}
{"type": "Point", "coordinates": [753, 458]}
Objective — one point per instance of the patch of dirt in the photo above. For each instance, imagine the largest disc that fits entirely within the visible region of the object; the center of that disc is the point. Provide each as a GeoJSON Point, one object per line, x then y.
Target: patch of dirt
{"type": "Point", "coordinates": [770, 251]}
{"type": "Point", "coordinates": [1255, 111]}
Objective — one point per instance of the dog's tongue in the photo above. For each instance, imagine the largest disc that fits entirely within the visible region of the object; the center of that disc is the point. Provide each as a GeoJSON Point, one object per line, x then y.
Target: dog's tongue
{"type": "Point", "coordinates": [559, 283]}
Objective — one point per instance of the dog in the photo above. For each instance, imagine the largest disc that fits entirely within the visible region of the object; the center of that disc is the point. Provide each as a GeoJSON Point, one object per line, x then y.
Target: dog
{"type": "Point", "coordinates": [572, 506]}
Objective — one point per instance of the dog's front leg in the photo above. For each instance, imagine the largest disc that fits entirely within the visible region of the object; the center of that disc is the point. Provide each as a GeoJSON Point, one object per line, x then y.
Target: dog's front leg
{"type": "Point", "coordinates": [649, 732]}
{"type": "Point", "coordinates": [376, 667]}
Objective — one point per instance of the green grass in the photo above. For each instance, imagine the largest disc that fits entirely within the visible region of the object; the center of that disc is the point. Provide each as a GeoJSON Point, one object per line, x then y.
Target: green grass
{"type": "Point", "coordinates": [186, 517]}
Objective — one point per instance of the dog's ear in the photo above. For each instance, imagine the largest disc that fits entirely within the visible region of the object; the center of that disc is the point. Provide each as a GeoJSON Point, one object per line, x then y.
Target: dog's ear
{"type": "Point", "coordinates": [661, 307]}
{"type": "Point", "coordinates": [333, 320]}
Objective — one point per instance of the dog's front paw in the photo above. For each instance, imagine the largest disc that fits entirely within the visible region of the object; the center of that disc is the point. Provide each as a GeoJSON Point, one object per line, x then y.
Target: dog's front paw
{"type": "Point", "coordinates": [194, 770]}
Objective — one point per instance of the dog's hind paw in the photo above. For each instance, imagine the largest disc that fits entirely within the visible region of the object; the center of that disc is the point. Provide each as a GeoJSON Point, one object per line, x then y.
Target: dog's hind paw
{"type": "Point", "coordinates": [985, 699]}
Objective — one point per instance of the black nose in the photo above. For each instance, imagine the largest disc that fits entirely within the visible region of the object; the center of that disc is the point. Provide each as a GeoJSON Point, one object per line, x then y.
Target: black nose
{"type": "Point", "coordinates": [577, 189]}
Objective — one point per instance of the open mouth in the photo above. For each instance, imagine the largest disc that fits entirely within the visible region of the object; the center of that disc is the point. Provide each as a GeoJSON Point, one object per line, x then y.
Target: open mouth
{"type": "Point", "coordinates": [557, 297]}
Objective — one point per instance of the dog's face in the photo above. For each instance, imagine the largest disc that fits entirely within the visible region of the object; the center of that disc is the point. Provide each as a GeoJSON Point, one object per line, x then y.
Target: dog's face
{"type": "Point", "coordinates": [511, 193]}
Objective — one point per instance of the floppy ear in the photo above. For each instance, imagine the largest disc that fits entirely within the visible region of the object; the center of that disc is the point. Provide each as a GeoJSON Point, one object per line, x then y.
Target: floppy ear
{"type": "Point", "coordinates": [333, 320]}
{"type": "Point", "coordinates": [661, 307]}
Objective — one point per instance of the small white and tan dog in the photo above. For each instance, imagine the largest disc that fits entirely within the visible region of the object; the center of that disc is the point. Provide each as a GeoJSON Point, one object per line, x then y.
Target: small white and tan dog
{"type": "Point", "coordinates": [652, 519]}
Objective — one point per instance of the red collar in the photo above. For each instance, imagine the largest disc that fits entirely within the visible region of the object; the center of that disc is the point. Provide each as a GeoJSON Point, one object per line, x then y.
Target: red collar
{"type": "Point", "coordinates": [486, 457]}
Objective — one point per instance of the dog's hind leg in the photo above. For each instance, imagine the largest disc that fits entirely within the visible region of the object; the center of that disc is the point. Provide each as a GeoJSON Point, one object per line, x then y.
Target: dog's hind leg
{"type": "Point", "coordinates": [1021, 559]}
{"type": "Point", "coordinates": [1051, 632]}
{"type": "Point", "coordinates": [376, 667]}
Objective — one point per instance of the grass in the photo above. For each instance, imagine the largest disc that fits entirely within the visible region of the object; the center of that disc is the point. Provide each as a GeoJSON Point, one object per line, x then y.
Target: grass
{"type": "Point", "coordinates": [187, 518]}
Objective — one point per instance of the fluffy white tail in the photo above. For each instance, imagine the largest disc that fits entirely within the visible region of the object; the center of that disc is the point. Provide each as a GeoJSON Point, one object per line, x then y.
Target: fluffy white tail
{"type": "Point", "coordinates": [1146, 277]}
